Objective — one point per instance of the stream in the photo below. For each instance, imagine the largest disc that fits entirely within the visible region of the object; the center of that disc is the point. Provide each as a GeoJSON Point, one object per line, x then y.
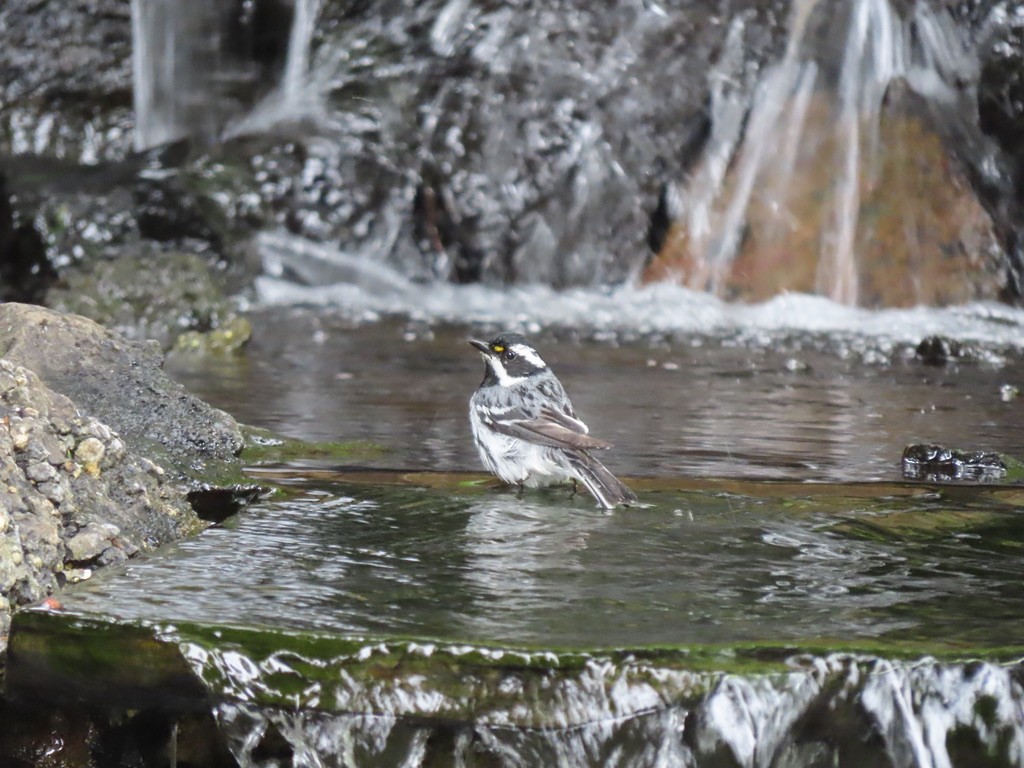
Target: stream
{"type": "Point", "coordinates": [398, 608]}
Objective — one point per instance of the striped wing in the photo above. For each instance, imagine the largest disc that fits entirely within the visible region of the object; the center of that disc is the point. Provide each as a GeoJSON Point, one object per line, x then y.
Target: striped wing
{"type": "Point", "coordinates": [551, 427]}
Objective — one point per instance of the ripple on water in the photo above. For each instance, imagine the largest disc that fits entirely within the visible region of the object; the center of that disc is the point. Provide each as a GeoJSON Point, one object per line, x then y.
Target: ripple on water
{"type": "Point", "coordinates": [550, 571]}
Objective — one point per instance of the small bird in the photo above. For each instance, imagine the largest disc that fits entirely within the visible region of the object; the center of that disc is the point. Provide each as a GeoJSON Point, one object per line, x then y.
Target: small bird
{"type": "Point", "coordinates": [525, 428]}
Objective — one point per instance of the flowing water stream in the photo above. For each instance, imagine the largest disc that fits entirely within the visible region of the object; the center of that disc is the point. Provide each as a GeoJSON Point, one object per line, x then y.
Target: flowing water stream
{"type": "Point", "coordinates": [779, 595]}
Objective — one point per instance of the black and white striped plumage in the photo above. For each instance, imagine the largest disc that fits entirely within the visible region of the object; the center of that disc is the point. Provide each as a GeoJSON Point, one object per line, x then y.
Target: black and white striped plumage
{"type": "Point", "coordinates": [525, 428]}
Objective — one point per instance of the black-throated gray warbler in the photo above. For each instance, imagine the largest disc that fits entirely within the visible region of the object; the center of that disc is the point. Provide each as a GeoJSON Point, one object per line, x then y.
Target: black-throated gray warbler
{"type": "Point", "coordinates": [525, 428]}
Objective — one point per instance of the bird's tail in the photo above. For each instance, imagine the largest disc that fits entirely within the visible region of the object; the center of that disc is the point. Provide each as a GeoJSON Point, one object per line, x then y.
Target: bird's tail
{"type": "Point", "coordinates": [602, 484]}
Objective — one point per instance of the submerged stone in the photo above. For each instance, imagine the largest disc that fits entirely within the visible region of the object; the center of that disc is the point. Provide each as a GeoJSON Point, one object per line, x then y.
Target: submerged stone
{"type": "Point", "coordinates": [935, 462]}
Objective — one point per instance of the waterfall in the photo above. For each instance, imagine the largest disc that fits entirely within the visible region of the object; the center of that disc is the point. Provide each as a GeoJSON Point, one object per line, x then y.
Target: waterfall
{"type": "Point", "coordinates": [294, 86]}
{"type": "Point", "coordinates": [530, 137]}
{"type": "Point", "coordinates": [177, 65]}
{"type": "Point", "coordinates": [806, 114]}
{"type": "Point", "coordinates": [296, 95]}
{"type": "Point", "coordinates": [194, 74]}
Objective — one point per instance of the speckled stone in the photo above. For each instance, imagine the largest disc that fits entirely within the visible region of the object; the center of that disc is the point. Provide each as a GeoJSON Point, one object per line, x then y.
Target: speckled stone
{"type": "Point", "coordinates": [73, 495]}
{"type": "Point", "coordinates": [89, 454]}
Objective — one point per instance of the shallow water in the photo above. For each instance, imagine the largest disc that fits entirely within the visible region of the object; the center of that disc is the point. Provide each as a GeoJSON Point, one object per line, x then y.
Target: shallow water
{"type": "Point", "coordinates": [728, 564]}
{"type": "Point", "coordinates": [777, 554]}
{"type": "Point", "coordinates": [706, 560]}
{"type": "Point", "coordinates": [788, 405]}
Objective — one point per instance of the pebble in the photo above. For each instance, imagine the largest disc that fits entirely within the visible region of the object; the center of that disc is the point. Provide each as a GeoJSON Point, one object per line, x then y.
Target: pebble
{"type": "Point", "coordinates": [152, 469]}
{"type": "Point", "coordinates": [40, 471]}
{"type": "Point", "coordinates": [90, 542]}
{"type": "Point", "coordinates": [98, 430]}
{"type": "Point", "coordinates": [115, 452]}
{"type": "Point", "coordinates": [52, 490]}
{"type": "Point", "coordinates": [19, 436]}
{"type": "Point", "coordinates": [89, 454]}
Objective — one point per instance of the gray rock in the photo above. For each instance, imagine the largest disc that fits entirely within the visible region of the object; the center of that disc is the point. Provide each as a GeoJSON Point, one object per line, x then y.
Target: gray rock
{"type": "Point", "coordinates": [40, 472]}
{"type": "Point", "coordinates": [102, 506]}
{"type": "Point", "coordinates": [66, 79]}
{"type": "Point", "coordinates": [90, 542]}
{"type": "Point", "coordinates": [101, 372]}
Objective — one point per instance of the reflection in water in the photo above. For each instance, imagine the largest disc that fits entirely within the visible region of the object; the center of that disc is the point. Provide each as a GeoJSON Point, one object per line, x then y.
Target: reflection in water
{"type": "Point", "coordinates": [550, 571]}
{"type": "Point", "coordinates": [788, 407]}
{"type": "Point", "coordinates": [523, 558]}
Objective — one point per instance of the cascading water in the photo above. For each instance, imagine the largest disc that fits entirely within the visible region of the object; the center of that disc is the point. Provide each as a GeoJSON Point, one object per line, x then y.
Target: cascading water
{"type": "Point", "coordinates": [176, 54]}
{"type": "Point", "coordinates": [821, 145]}
{"type": "Point", "coordinates": [462, 142]}
{"type": "Point", "coordinates": [195, 75]}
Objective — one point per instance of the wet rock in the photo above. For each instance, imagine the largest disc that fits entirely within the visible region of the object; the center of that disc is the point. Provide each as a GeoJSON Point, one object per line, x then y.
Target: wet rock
{"type": "Point", "coordinates": [53, 513]}
{"type": "Point", "coordinates": [66, 79]}
{"type": "Point", "coordinates": [1001, 87]}
{"type": "Point", "coordinates": [90, 542]}
{"type": "Point", "coordinates": [90, 230]}
{"type": "Point", "coordinates": [472, 141]}
{"type": "Point", "coordinates": [522, 176]}
{"type": "Point", "coordinates": [102, 373]}
{"type": "Point", "coordinates": [176, 293]}
{"type": "Point", "coordinates": [25, 269]}
{"type": "Point", "coordinates": [228, 337]}
{"type": "Point", "coordinates": [954, 255]}
{"type": "Point", "coordinates": [935, 463]}
{"type": "Point", "coordinates": [937, 350]}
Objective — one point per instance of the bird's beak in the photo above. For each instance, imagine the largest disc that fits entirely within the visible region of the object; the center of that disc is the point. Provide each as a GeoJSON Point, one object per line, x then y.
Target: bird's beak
{"type": "Point", "coordinates": [482, 346]}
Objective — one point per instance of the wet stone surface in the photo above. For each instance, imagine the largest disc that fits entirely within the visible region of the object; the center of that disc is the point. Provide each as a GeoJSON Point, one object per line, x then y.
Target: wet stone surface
{"type": "Point", "coordinates": [935, 463]}
{"type": "Point", "coordinates": [101, 370]}
{"type": "Point", "coordinates": [72, 496]}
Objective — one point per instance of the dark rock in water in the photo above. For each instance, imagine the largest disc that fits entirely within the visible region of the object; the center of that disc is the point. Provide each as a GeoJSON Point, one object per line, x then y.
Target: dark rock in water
{"type": "Point", "coordinates": [73, 494]}
{"type": "Point", "coordinates": [121, 383]}
{"type": "Point", "coordinates": [936, 350]}
{"type": "Point", "coordinates": [934, 463]}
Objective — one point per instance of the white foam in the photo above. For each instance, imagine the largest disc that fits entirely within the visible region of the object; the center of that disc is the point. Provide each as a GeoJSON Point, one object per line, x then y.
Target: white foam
{"type": "Point", "coordinates": [639, 309]}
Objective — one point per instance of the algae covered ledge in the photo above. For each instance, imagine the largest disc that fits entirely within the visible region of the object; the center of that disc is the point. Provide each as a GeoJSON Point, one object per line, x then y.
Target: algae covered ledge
{"type": "Point", "coordinates": [691, 702]}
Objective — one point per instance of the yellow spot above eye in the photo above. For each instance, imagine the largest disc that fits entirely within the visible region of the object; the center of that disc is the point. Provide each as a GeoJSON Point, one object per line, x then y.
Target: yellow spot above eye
{"type": "Point", "coordinates": [498, 348]}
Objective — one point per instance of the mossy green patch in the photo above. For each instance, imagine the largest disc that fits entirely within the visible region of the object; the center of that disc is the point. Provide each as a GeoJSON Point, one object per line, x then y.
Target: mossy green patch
{"type": "Point", "coordinates": [265, 447]}
{"type": "Point", "coordinates": [291, 668]}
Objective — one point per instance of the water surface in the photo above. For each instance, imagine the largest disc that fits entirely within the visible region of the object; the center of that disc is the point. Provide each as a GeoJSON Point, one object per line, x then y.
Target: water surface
{"type": "Point", "coordinates": [752, 405]}
{"type": "Point", "coordinates": [720, 565]}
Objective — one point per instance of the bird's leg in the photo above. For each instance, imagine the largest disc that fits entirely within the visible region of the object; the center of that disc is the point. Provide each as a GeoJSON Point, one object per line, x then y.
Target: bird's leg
{"type": "Point", "coordinates": [519, 491]}
{"type": "Point", "coordinates": [575, 488]}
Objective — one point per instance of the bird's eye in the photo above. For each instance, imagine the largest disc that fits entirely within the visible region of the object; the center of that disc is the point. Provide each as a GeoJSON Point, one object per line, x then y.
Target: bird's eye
{"type": "Point", "coordinates": [509, 355]}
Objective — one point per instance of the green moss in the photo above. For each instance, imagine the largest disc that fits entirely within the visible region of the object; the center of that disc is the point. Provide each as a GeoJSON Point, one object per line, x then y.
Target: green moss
{"type": "Point", "coordinates": [1014, 469]}
{"type": "Point", "coordinates": [265, 447]}
{"type": "Point", "coordinates": [93, 656]}
{"type": "Point", "coordinates": [227, 338]}
{"type": "Point", "coordinates": [157, 295]}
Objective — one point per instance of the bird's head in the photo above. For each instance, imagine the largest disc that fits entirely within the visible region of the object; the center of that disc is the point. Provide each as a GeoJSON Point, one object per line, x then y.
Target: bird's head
{"type": "Point", "coordinates": [510, 359]}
